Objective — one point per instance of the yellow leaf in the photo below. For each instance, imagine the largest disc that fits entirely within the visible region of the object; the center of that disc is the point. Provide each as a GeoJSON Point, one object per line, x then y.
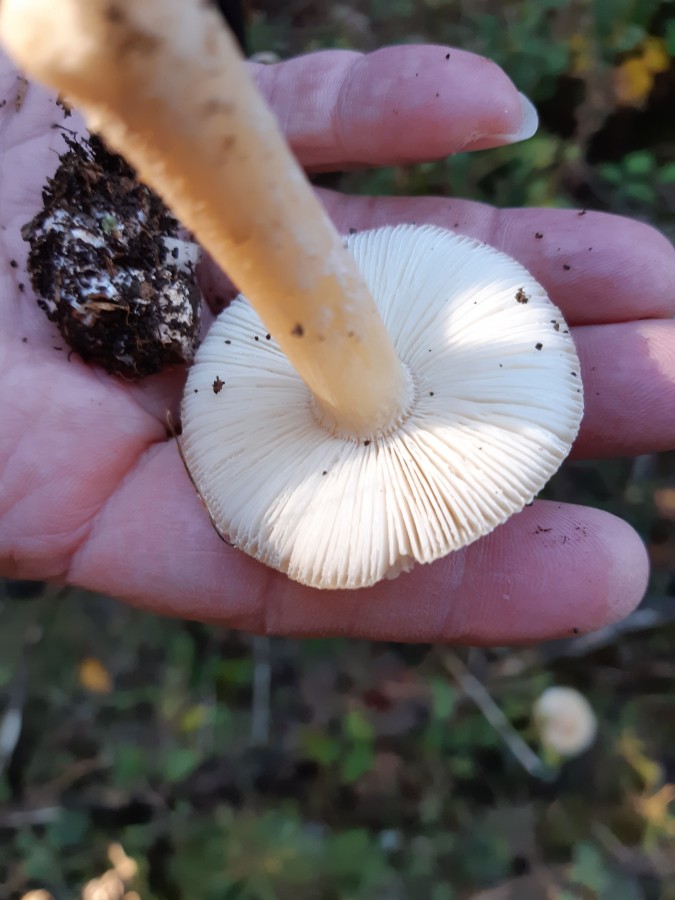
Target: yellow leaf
{"type": "Point", "coordinates": [194, 718]}
{"type": "Point", "coordinates": [632, 750]}
{"type": "Point", "coordinates": [657, 808]}
{"type": "Point", "coordinates": [634, 78]}
{"type": "Point", "coordinates": [655, 54]}
{"type": "Point", "coordinates": [632, 82]}
{"type": "Point", "coordinates": [94, 677]}
{"type": "Point", "coordinates": [664, 501]}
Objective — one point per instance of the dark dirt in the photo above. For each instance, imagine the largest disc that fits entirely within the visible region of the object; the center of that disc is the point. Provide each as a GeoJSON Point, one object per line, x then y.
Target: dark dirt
{"type": "Point", "coordinates": [102, 272]}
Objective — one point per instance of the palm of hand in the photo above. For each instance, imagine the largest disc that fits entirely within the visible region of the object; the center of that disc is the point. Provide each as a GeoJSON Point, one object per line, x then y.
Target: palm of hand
{"type": "Point", "coordinates": [93, 490]}
{"type": "Point", "coordinates": [72, 433]}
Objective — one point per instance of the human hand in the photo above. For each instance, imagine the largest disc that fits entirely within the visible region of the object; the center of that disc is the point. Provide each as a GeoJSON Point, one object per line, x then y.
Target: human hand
{"type": "Point", "coordinates": [93, 492]}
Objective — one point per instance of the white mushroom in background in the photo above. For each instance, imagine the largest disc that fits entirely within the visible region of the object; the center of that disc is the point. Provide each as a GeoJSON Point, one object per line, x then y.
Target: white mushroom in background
{"type": "Point", "coordinates": [565, 721]}
{"type": "Point", "coordinates": [374, 405]}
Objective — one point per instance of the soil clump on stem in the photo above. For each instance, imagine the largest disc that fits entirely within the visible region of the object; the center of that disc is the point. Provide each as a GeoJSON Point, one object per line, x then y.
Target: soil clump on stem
{"type": "Point", "coordinates": [109, 267]}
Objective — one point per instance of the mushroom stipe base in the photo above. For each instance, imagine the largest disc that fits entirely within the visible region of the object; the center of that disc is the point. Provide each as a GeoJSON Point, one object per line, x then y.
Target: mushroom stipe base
{"type": "Point", "coordinates": [403, 410]}
{"type": "Point", "coordinates": [497, 404]}
{"type": "Point", "coordinates": [105, 265]}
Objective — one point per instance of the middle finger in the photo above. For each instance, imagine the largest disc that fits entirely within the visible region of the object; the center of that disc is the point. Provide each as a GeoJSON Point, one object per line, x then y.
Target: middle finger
{"type": "Point", "coordinates": [595, 266]}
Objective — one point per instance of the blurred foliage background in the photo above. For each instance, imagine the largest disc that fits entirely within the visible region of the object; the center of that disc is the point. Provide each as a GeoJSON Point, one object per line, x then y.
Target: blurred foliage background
{"type": "Point", "coordinates": [150, 758]}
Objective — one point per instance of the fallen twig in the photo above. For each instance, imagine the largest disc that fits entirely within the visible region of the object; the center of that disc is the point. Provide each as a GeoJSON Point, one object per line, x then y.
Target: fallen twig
{"type": "Point", "coordinates": [473, 689]}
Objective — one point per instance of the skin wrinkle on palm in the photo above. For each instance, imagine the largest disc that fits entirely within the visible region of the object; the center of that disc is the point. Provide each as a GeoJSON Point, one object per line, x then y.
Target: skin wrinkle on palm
{"type": "Point", "coordinates": [110, 507]}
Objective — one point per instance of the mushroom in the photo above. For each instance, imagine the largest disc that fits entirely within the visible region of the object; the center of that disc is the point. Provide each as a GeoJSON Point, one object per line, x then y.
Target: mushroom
{"type": "Point", "coordinates": [495, 403]}
{"type": "Point", "coordinates": [378, 400]}
{"type": "Point", "coordinates": [565, 721]}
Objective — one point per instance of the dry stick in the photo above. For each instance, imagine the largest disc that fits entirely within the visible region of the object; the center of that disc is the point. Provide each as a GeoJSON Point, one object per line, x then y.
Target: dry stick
{"type": "Point", "coordinates": [163, 82]}
{"type": "Point", "coordinates": [473, 689]}
{"type": "Point", "coordinates": [28, 818]}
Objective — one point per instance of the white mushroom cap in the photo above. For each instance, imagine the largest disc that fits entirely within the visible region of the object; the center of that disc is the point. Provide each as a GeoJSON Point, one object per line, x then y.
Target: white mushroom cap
{"type": "Point", "coordinates": [566, 722]}
{"type": "Point", "coordinates": [496, 404]}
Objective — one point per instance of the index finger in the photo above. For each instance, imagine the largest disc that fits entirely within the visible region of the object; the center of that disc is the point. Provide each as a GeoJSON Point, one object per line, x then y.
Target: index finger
{"type": "Point", "coordinates": [394, 106]}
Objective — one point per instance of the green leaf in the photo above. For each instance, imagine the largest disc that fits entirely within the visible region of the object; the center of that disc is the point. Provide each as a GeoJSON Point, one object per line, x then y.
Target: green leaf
{"type": "Point", "coordinates": [357, 761]}
{"type": "Point", "coordinates": [39, 862]}
{"type": "Point", "coordinates": [320, 746]}
{"type": "Point", "coordinates": [442, 892]}
{"type": "Point", "coordinates": [180, 763]}
{"type": "Point", "coordinates": [628, 38]}
{"type": "Point", "coordinates": [666, 174]}
{"type": "Point", "coordinates": [443, 698]}
{"type": "Point", "coordinates": [589, 869]}
{"type": "Point", "coordinates": [611, 173]}
{"type": "Point", "coordinates": [357, 727]}
{"type": "Point", "coordinates": [129, 763]}
{"type": "Point", "coordinates": [642, 193]}
{"type": "Point", "coordinates": [670, 37]}
{"type": "Point", "coordinates": [68, 830]}
{"type": "Point", "coordinates": [639, 163]}
{"type": "Point", "coordinates": [236, 672]}
{"type": "Point", "coordinates": [348, 850]}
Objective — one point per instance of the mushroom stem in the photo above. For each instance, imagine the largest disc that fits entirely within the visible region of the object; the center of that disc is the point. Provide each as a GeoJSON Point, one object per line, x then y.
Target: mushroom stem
{"type": "Point", "coordinates": [164, 83]}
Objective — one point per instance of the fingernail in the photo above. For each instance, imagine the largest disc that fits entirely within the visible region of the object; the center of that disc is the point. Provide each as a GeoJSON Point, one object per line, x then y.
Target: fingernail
{"type": "Point", "coordinates": [529, 124]}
